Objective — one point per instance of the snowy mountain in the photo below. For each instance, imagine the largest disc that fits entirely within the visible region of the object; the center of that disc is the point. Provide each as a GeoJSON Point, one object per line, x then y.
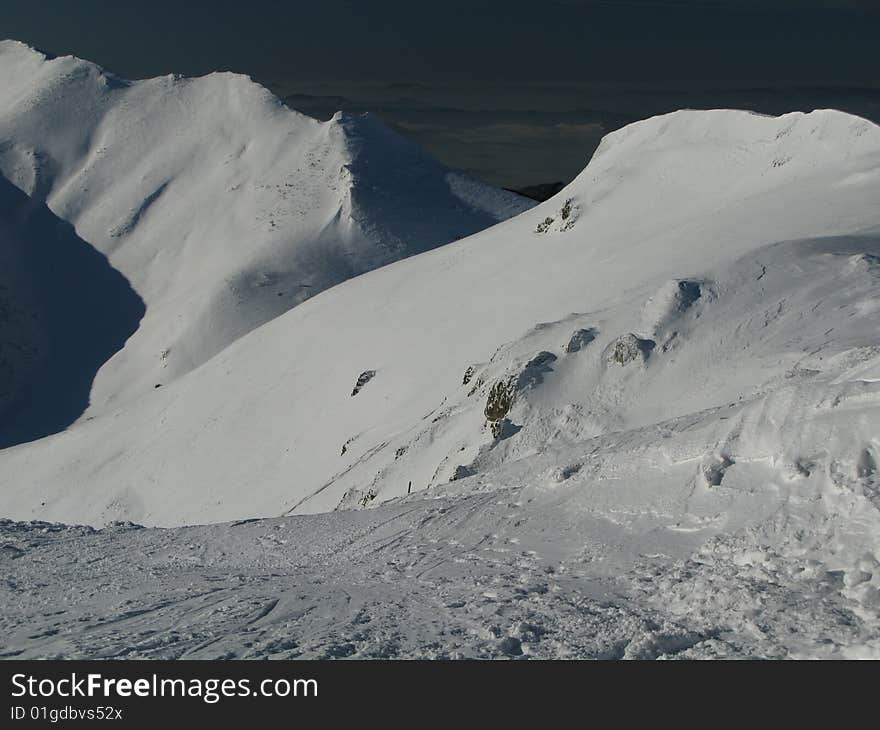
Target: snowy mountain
{"type": "Point", "coordinates": [654, 243]}
{"type": "Point", "coordinates": [637, 420]}
{"type": "Point", "coordinates": [221, 207]}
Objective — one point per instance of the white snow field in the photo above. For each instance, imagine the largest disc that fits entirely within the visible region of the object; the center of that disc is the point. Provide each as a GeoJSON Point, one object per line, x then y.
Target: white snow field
{"type": "Point", "coordinates": [220, 206]}
{"type": "Point", "coordinates": [641, 420]}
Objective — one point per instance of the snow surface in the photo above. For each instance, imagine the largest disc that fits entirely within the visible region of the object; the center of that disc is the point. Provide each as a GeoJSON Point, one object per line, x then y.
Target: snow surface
{"type": "Point", "coordinates": [639, 420]}
{"type": "Point", "coordinates": [221, 207]}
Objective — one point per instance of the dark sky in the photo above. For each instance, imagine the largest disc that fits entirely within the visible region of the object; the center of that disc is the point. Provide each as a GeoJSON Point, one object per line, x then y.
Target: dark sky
{"type": "Point", "coordinates": [517, 92]}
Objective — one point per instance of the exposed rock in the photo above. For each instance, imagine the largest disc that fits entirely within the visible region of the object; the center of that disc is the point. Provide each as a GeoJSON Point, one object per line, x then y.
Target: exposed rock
{"type": "Point", "coordinates": [544, 225]}
{"type": "Point", "coordinates": [499, 401]}
{"type": "Point", "coordinates": [565, 212]}
{"type": "Point", "coordinates": [364, 378]}
{"type": "Point", "coordinates": [580, 339]}
{"type": "Point", "coordinates": [502, 394]}
{"type": "Point", "coordinates": [541, 359]}
{"type": "Point", "coordinates": [563, 221]}
{"type": "Point", "coordinates": [469, 374]}
{"type": "Point", "coordinates": [627, 348]}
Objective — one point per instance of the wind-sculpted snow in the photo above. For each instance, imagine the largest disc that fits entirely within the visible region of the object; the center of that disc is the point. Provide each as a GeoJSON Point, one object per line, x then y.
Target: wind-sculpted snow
{"type": "Point", "coordinates": [474, 571]}
{"type": "Point", "coordinates": [222, 207]}
{"type": "Point", "coordinates": [646, 428]}
{"type": "Point", "coordinates": [259, 429]}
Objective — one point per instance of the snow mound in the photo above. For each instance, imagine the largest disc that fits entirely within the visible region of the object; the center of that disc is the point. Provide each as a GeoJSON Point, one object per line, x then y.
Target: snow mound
{"type": "Point", "coordinates": [671, 301]}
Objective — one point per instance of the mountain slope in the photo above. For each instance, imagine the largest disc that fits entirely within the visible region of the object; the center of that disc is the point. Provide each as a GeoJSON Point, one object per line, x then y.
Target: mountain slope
{"type": "Point", "coordinates": [221, 207]}
{"type": "Point", "coordinates": [660, 243]}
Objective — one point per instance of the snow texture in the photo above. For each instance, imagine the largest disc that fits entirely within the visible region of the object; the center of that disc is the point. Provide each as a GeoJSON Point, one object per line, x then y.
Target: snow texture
{"type": "Point", "coordinates": [645, 429]}
{"type": "Point", "coordinates": [221, 207]}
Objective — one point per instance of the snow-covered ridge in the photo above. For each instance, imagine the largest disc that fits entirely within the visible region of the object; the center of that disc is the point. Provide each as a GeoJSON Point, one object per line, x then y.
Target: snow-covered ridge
{"type": "Point", "coordinates": [221, 207]}
{"type": "Point", "coordinates": [668, 209]}
{"type": "Point", "coordinates": [639, 420]}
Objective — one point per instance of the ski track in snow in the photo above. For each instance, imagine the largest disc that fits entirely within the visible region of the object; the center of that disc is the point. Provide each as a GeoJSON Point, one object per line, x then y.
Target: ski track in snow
{"type": "Point", "coordinates": [479, 571]}
{"type": "Point", "coordinates": [402, 581]}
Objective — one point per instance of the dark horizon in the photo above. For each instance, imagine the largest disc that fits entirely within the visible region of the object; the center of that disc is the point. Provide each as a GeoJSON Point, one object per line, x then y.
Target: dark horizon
{"type": "Point", "coordinates": [513, 92]}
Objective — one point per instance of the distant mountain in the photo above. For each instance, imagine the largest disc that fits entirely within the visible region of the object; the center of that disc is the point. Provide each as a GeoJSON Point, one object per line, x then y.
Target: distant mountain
{"type": "Point", "coordinates": [220, 207]}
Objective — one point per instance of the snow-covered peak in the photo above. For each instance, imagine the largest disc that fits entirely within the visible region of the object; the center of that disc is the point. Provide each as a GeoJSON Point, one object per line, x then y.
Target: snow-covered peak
{"type": "Point", "coordinates": [678, 164]}
{"type": "Point", "coordinates": [222, 207]}
{"type": "Point", "coordinates": [817, 135]}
